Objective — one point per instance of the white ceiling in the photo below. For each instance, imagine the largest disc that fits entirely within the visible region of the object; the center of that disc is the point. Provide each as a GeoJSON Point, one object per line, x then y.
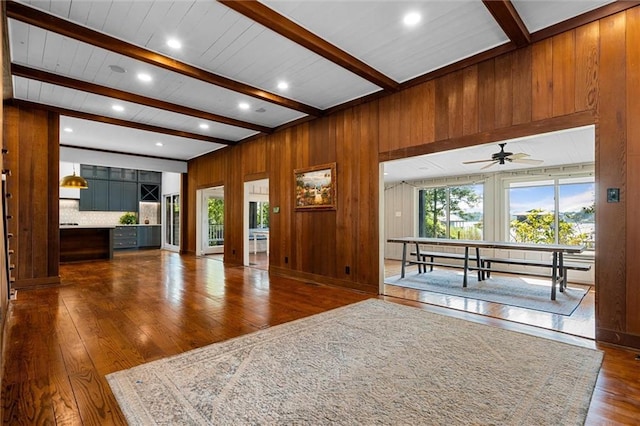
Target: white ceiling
{"type": "Point", "coordinates": [221, 41]}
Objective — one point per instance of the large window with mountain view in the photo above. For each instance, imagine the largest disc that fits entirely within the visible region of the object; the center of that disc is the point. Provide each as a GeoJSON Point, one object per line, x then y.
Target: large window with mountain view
{"type": "Point", "coordinates": [451, 212]}
{"type": "Point", "coordinates": [555, 211]}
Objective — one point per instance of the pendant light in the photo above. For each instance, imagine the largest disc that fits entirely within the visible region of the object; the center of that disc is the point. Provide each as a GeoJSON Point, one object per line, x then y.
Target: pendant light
{"type": "Point", "coordinates": [74, 181]}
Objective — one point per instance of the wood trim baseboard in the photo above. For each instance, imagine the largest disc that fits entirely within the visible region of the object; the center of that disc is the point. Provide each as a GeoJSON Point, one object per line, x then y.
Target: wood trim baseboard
{"type": "Point", "coordinates": [31, 283]}
{"type": "Point", "coordinates": [619, 338]}
{"type": "Point", "coordinates": [322, 280]}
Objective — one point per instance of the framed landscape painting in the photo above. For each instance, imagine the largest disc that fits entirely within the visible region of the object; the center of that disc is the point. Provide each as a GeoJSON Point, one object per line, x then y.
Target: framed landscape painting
{"type": "Point", "coordinates": [315, 187]}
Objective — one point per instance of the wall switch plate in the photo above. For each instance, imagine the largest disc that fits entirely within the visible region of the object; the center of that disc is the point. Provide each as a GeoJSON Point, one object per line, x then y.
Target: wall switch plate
{"type": "Point", "coordinates": [613, 195]}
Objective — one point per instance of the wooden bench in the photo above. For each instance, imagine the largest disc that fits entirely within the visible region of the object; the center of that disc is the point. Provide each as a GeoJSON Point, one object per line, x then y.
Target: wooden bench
{"type": "Point", "coordinates": [431, 262]}
{"type": "Point", "coordinates": [566, 266]}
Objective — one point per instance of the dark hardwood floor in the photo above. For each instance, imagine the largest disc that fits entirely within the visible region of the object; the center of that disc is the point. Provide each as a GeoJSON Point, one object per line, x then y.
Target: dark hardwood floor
{"type": "Point", "coordinates": [145, 305]}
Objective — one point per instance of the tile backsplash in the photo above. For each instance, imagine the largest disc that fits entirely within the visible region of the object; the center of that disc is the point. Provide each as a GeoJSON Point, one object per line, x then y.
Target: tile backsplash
{"type": "Point", "coordinates": [70, 213]}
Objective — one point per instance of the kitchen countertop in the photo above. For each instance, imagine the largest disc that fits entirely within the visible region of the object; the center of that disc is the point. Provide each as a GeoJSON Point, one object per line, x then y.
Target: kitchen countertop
{"type": "Point", "coordinates": [87, 226]}
{"type": "Point", "coordinates": [104, 226]}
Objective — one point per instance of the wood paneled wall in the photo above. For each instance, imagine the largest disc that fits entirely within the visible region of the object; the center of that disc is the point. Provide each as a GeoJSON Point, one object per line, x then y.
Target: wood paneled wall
{"type": "Point", "coordinates": [590, 75]}
{"type": "Point", "coordinates": [31, 136]}
{"type": "Point", "coordinates": [4, 290]}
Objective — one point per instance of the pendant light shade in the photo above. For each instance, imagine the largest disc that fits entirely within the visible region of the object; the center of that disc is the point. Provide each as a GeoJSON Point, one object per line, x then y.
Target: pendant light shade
{"type": "Point", "coordinates": [74, 181]}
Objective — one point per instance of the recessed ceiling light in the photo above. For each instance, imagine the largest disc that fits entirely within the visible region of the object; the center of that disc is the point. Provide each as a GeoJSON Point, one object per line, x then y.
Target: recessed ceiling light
{"type": "Point", "coordinates": [144, 77]}
{"type": "Point", "coordinates": [283, 85]}
{"type": "Point", "coordinates": [118, 108]}
{"type": "Point", "coordinates": [117, 68]}
{"type": "Point", "coordinates": [159, 144]}
{"type": "Point", "coordinates": [243, 105]}
{"type": "Point", "coordinates": [174, 43]}
{"type": "Point", "coordinates": [411, 19]}
{"type": "Point", "coordinates": [68, 129]}
{"type": "Point", "coordinates": [204, 126]}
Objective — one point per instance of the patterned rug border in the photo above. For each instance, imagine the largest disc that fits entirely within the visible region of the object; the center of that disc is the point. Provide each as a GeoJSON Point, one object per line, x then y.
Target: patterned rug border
{"type": "Point", "coordinates": [124, 383]}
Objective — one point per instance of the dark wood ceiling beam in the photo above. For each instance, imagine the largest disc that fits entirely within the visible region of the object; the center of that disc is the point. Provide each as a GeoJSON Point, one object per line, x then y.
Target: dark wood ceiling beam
{"type": "Point", "coordinates": [32, 16]}
{"type": "Point", "coordinates": [509, 20]}
{"type": "Point", "coordinates": [260, 13]}
{"type": "Point", "coordinates": [47, 77]}
{"type": "Point", "coordinates": [7, 86]}
{"type": "Point", "coordinates": [121, 122]}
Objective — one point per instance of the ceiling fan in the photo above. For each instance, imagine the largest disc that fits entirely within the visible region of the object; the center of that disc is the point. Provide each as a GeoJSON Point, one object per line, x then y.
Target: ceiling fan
{"type": "Point", "coordinates": [502, 157]}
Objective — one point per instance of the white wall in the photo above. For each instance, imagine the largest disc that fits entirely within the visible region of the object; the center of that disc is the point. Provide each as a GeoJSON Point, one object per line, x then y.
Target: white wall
{"type": "Point", "coordinates": [67, 169]}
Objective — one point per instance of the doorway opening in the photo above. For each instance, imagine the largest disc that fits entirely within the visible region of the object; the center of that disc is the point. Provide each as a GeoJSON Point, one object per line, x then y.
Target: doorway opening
{"type": "Point", "coordinates": [256, 223]}
{"type": "Point", "coordinates": [546, 197]}
{"type": "Point", "coordinates": [172, 222]}
{"type": "Point", "coordinates": [210, 221]}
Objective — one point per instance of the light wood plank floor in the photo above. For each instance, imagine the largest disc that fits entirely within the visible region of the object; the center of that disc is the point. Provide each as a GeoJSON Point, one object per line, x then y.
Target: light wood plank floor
{"type": "Point", "coordinates": [580, 323]}
{"type": "Point", "coordinates": [142, 306]}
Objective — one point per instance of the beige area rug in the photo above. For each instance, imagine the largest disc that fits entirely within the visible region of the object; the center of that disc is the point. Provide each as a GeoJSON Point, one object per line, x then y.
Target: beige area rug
{"type": "Point", "coordinates": [524, 292]}
{"type": "Point", "coordinates": [372, 362]}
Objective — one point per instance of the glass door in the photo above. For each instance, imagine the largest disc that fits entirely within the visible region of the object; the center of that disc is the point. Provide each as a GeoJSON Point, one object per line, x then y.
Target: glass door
{"type": "Point", "coordinates": [172, 222]}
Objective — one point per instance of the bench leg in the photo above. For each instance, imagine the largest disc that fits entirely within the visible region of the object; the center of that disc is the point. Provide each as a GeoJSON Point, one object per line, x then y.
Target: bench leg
{"type": "Point", "coordinates": [554, 276]}
{"type": "Point", "coordinates": [466, 266]}
{"type": "Point", "coordinates": [487, 265]}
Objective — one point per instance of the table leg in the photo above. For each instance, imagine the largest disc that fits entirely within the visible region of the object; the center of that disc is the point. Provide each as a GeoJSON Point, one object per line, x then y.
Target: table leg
{"type": "Point", "coordinates": [466, 266]}
{"type": "Point", "coordinates": [418, 257]}
{"type": "Point", "coordinates": [404, 259]}
{"type": "Point", "coordinates": [479, 265]}
{"type": "Point", "coordinates": [561, 273]}
{"type": "Point", "coordinates": [554, 276]}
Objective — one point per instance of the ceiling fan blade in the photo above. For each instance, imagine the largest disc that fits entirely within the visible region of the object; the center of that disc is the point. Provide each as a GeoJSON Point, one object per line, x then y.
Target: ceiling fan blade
{"type": "Point", "coordinates": [518, 156]}
{"type": "Point", "coordinates": [526, 161]}
{"type": "Point", "coordinates": [476, 161]}
{"type": "Point", "coordinates": [489, 165]}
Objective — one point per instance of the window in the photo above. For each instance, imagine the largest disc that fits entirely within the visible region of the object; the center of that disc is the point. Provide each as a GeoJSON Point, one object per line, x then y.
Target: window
{"type": "Point", "coordinates": [451, 212]}
{"type": "Point", "coordinates": [258, 214]}
{"type": "Point", "coordinates": [559, 211]}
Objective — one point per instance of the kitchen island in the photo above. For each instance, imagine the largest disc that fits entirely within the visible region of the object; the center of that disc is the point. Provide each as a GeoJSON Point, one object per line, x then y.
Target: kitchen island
{"type": "Point", "coordinates": [82, 243]}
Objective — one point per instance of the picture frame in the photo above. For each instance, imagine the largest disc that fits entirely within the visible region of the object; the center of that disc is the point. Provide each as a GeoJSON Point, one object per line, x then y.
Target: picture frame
{"type": "Point", "coordinates": [315, 187]}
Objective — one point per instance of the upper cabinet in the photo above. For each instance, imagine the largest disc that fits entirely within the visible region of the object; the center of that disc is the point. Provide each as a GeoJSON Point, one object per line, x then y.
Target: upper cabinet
{"type": "Point", "coordinates": [94, 172]}
{"type": "Point", "coordinates": [118, 189]}
{"type": "Point", "coordinates": [96, 196]}
{"type": "Point", "coordinates": [149, 177]}
{"type": "Point", "coordinates": [116, 173]}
